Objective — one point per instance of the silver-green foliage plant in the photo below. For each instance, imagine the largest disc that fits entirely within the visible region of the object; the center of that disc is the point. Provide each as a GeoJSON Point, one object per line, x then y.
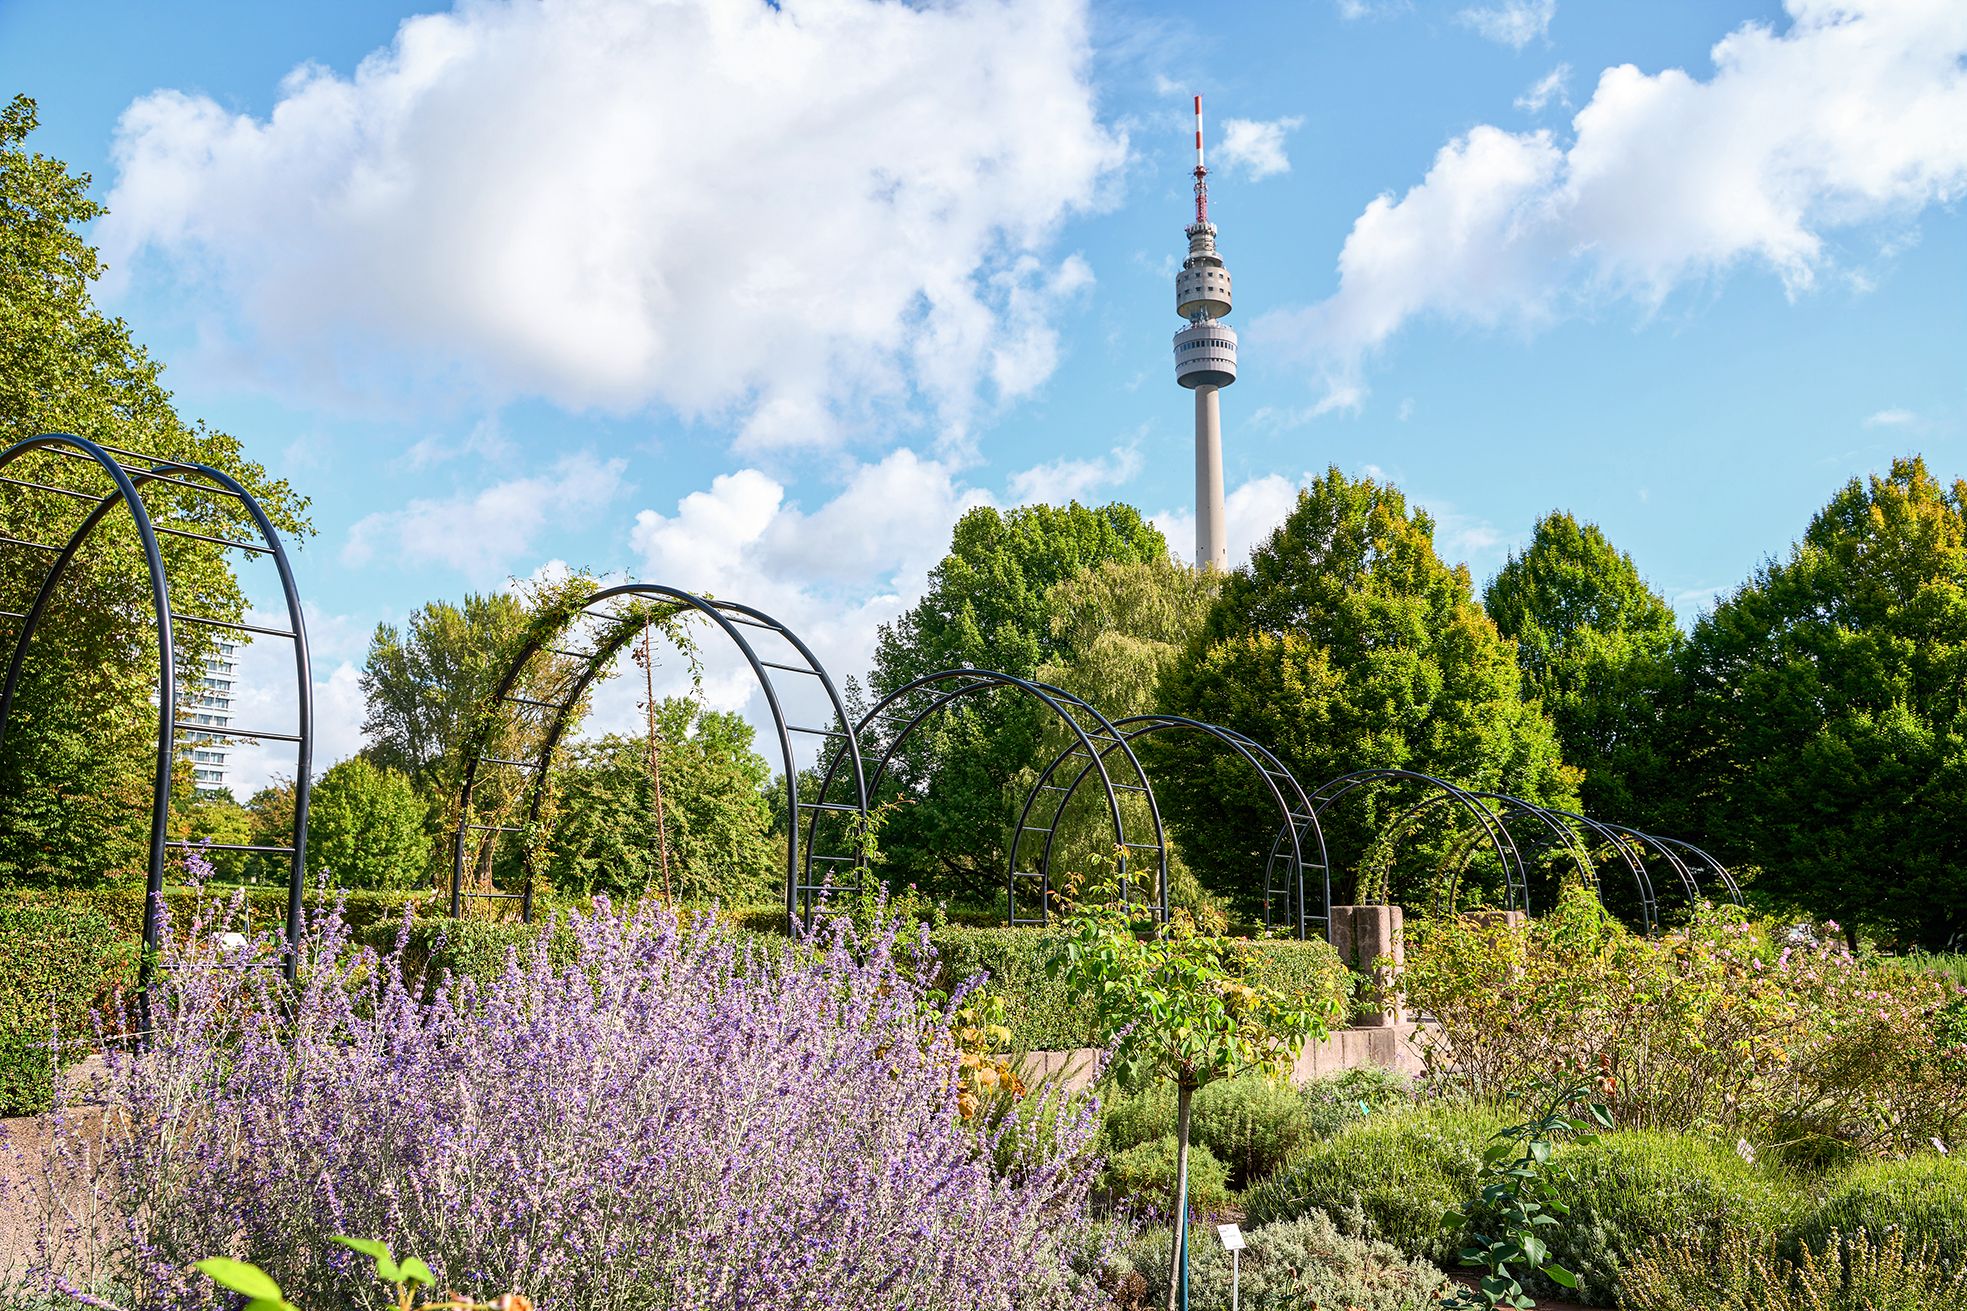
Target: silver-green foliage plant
{"type": "Point", "coordinates": [1300, 1265]}
{"type": "Point", "coordinates": [1505, 1231]}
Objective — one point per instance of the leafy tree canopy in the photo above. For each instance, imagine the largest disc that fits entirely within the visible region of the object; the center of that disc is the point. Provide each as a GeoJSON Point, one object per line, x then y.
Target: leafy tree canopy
{"type": "Point", "coordinates": [717, 816]}
{"type": "Point", "coordinates": [365, 827]}
{"type": "Point", "coordinates": [1825, 713]}
{"type": "Point", "coordinates": [1595, 644]}
{"type": "Point", "coordinates": [1346, 644]}
{"type": "Point", "coordinates": [74, 776]}
{"type": "Point", "coordinates": [986, 605]}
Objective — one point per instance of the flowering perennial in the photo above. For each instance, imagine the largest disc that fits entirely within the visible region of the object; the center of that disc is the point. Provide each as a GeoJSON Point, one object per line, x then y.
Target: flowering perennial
{"type": "Point", "coordinates": [676, 1118]}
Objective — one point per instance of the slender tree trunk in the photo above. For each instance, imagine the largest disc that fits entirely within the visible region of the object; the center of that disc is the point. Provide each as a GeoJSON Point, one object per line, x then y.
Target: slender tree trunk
{"type": "Point", "coordinates": [1184, 1096]}
{"type": "Point", "coordinates": [655, 757]}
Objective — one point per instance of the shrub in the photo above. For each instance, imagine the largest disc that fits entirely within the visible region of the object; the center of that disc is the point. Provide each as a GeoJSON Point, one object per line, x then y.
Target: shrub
{"type": "Point", "coordinates": [1745, 1273]}
{"type": "Point", "coordinates": [1251, 1124]}
{"type": "Point", "coordinates": [1294, 1265]}
{"type": "Point", "coordinates": [55, 965]}
{"type": "Point", "coordinates": [1142, 1178]}
{"type": "Point", "coordinates": [435, 949]}
{"type": "Point", "coordinates": [1336, 1101]}
{"type": "Point", "coordinates": [1912, 1203]}
{"type": "Point", "coordinates": [1726, 1026]}
{"type": "Point", "coordinates": [1631, 1191]}
{"type": "Point", "coordinates": [266, 907]}
{"type": "Point", "coordinates": [670, 1120]}
{"type": "Point", "coordinates": [1389, 1178]}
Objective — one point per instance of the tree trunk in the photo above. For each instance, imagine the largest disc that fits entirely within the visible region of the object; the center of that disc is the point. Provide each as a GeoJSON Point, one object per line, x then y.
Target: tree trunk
{"type": "Point", "coordinates": [1184, 1096]}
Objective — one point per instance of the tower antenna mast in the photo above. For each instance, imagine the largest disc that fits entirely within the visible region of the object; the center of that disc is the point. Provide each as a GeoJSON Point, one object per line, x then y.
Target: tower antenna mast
{"type": "Point", "coordinates": [1201, 171]}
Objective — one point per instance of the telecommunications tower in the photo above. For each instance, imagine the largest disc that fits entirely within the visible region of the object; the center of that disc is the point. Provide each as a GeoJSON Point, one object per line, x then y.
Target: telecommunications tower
{"type": "Point", "coordinates": [1205, 362]}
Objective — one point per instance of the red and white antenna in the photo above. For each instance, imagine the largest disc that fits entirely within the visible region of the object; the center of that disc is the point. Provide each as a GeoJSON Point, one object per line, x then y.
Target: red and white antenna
{"type": "Point", "coordinates": [1201, 172]}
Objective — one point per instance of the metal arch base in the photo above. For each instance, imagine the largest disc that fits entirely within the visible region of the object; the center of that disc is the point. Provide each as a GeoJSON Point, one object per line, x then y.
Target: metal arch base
{"type": "Point", "coordinates": [1299, 838]}
{"type": "Point", "coordinates": [125, 470]}
{"type": "Point", "coordinates": [731, 618]}
{"type": "Point", "coordinates": [1088, 727]}
{"type": "Point", "coordinates": [1498, 837]}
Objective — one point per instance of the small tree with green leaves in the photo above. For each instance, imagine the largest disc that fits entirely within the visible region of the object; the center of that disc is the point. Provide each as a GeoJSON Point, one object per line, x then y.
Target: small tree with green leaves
{"type": "Point", "coordinates": [1176, 1006]}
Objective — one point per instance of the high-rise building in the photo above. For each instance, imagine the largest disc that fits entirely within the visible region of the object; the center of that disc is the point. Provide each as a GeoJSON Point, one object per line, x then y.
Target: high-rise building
{"type": "Point", "coordinates": [208, 704]}
{"type": "Point", "coordinates": [1205, 362]}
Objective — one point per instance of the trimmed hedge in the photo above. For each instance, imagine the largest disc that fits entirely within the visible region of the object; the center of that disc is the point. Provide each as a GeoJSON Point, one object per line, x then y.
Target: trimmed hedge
{"type": "Point", "coordinates": [266, 907]}
{"type": "Point", "coordinates": [56, 964]}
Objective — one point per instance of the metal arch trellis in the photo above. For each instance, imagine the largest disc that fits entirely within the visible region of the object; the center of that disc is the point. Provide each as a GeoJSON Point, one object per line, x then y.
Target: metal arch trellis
{"type": "Point", "coordinates": [126, 470]}
{"type": "Point", "coordinates": [1298, 851]}
{"type": "Point", "coordinates": [1088, 726]}
{"type": "Point", "coordinates": [1498, 837]}
{"type": "Point", "coordinates": [732, 618]}
{"type": "Point", "coordinates": [1714, 866]}
{"type": "Point", "coordinates": [1631, 855]}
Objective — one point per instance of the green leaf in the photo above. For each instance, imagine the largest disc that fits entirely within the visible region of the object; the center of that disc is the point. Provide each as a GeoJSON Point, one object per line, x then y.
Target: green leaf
{"type": "Point", "coordinates": [416, 1272]}
{"type": "Point", "coordinates": [1559, 1275]}
{"type": "Point", "coordinates": [386, 1269]}
{"type": "Point", "coordinates": [241, 1277]}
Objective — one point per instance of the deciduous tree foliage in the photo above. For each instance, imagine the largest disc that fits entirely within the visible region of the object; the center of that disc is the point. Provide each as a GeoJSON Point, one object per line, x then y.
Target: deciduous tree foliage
{"type": "Point", "coordinates": [716, 812]}
{"type": "Point", "coordinates": [75, 769]}
{"type": "Point", "coordinates": [1824, 723]}
{"type": "Point", "coordinates": [1346, 644]}
{"type": "Point", "coordinates": [986, 605]}
{"type": "Point", "coordinates": [1595, 644]}
{"type": "Point", "coordinates": [365, 827]}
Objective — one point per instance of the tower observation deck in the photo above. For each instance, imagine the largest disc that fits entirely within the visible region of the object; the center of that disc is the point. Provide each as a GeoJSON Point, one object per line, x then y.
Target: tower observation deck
{"type": "Point", "coordinates": [1205, 362]}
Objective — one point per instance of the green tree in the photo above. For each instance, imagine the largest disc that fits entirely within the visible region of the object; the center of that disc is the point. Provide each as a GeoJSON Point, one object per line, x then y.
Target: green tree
{"type": "Point", "coordinates": [1346, 644]}
{"type": "Point", "coordinates": [986, 605]}
{"type": "Point", "coordinates": [1596, 646]}
{"type": "Point", "coordinates": [216, 817]}
{"type": "Point", "coordinates": [365, 827]}
{"type": "Point", "coordinates": [1822, 730]}
{"type": "Point", "coordinates": [717, 813]}
{"type": "Point", "coordinates": [1117, 630]}
{"type": "Point", "coordinates": [425, 681]}
{"type": "Point", "coordinates": [75, 770]}
{"type": "Point", "coordinates": [1177, 1007]}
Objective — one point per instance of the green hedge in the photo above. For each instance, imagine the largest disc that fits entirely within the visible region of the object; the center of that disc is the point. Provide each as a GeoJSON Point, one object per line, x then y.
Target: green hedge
{"type": "Point", "coordinates": [266, 907]}
{"type": "Point", "coordinates": [56, 964]}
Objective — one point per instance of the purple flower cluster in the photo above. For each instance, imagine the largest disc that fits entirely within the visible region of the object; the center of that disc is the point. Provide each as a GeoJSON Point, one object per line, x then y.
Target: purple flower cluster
{"type": "Point", "coordinates": [676, 1118]}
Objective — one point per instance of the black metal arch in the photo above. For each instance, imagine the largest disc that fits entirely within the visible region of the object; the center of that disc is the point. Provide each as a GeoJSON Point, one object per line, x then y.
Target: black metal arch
{"type": "Point", "coordinates": [1714, 866]}
{"type": "Point", "coordinates": [125, 470]}
{"type": "Point", "coordinates": [1298, 851]}
{"type": "Point", "coordinates": [1641, 841]}
{"type": "Point", "coordinates": [732, 618]}
{"type": "Point", "coordinates": [1088, 727]}
{"type": "Point", "coordinates": [1632, 855]}
{"type": "Point", "coordinates": [1498, 837]}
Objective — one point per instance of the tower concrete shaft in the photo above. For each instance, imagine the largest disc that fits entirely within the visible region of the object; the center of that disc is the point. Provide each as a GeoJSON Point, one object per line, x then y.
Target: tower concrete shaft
{"type": "Point", "coordinates": [1205, 362]}
{"type": "Point", "coordinates": [1211, 532]}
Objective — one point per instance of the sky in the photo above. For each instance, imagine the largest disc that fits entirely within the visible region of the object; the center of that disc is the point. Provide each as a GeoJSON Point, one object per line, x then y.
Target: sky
{"type": "Point", "coordinates": [756, 299]}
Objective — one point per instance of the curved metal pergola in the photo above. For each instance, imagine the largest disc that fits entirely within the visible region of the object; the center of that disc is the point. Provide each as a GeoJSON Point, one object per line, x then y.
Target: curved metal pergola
{"type": "Point", "coordinates": [1497, 836]}
{"type": "Point", "coordinates": [1713, 866]}
{"type": "Point", "coordinates": [1298, 852]}
{"type": "Point", "coordinates": [622, 611]}
{"type": "Point", "coordinates": [896, 716]}
{"type": "Point", "coordinates": [129, 473]}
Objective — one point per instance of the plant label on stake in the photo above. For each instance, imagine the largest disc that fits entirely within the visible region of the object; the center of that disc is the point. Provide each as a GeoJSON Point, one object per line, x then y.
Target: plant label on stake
{"type": "Point", "coordinates": [1232, 1236]}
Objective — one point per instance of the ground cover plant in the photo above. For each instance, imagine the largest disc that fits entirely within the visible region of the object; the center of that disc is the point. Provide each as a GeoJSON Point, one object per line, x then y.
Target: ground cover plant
{"type": "Point", "coordinates": [672, 1117]}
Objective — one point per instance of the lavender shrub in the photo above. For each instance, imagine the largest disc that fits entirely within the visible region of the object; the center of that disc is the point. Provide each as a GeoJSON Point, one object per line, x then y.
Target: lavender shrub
{"type": "Point", "coordinates": [676, 1119]}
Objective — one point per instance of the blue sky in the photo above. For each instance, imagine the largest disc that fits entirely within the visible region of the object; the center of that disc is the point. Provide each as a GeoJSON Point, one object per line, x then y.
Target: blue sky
{"type": "Point", "coordinates": [756, 301]}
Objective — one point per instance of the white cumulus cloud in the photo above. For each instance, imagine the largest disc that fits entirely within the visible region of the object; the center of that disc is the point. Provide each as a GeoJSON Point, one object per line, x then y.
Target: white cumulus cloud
{"type": "Point", "coordinates": [1252, 510]}
{"type": "Point", "coordinates": [1552, 87]}
{"type": "Point", "coordinates": [1514, 23]}
{"type": "Point", "coordinates": [1853, 113]}
{"type": "Point", "coordinates": [1256, 146]}
{"type": "Point", "coordinates": [481, 532]}
{"type": "Point", "coordinates": [1892, 418]}
{"type": "Point", "coordinates": [1059, 481]}
{"type": "Point", "coordinates": [786, 215]}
